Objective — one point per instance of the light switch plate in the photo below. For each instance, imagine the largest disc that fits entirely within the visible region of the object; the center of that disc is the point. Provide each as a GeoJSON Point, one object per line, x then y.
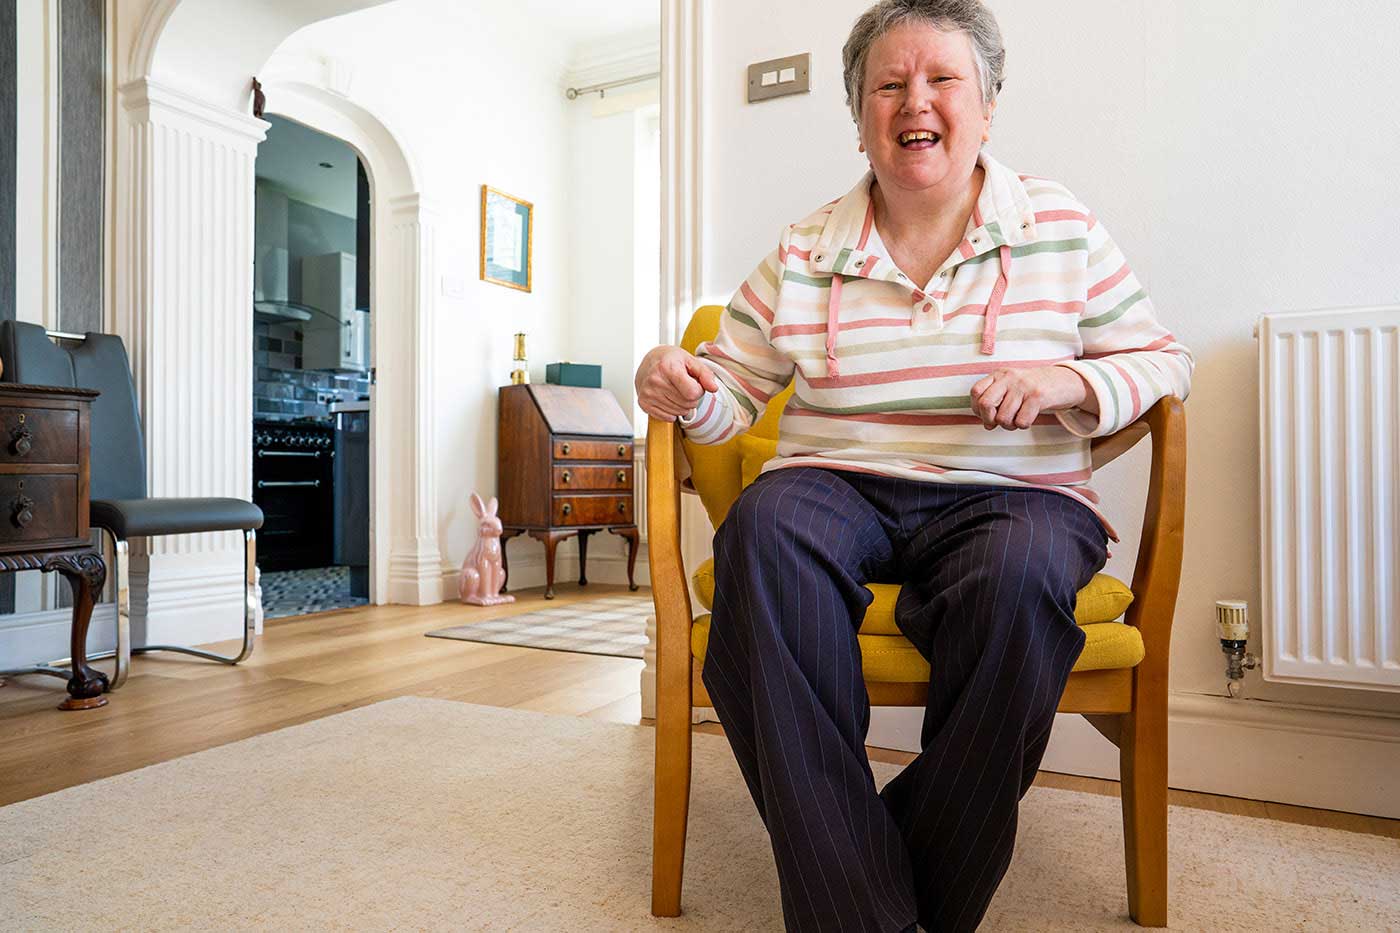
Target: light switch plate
{"type": "Point", "coordinates": [800, 83]}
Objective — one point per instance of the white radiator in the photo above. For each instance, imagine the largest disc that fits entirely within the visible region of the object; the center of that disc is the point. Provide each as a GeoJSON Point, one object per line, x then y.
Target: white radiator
{"type": "Point", "coordinates": [1329, 422]}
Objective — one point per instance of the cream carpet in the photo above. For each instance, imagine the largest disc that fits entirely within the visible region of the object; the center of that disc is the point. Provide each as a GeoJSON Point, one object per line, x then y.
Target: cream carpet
{"type": "Point", "coordinates": [431, 814]}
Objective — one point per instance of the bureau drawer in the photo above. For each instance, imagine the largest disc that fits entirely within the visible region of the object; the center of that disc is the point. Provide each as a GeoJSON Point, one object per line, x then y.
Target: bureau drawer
{"type": "Point", "coordinates": [593, 477]}
{"type": "Point", "coordinates": [38, 435]}
{"type": "Point", "coordinates": [592, 510]}
{"type": "Point", "coordinates": [51, 503]}
{"type": "Point", "coordinates": [592, 450]}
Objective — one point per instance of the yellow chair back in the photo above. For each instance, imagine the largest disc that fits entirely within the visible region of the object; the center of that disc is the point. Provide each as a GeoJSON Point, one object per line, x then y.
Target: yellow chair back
{"type": "Point", "coordinates": [717, 469]}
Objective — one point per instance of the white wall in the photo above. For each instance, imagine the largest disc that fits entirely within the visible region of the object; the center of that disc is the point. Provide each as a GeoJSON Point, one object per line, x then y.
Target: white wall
{"type": "Point", "coordinates": [600, 304]}
{"type": "Point", "coordinates": [1242, 154]}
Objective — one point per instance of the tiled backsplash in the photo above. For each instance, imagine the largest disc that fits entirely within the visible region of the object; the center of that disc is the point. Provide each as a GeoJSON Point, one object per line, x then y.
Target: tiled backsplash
{"type": "Point", "coordinates": [282, 390]}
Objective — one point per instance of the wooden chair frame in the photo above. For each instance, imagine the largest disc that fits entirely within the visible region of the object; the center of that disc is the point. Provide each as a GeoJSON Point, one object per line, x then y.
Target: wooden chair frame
{"type": "Point", "coordinates": [1128, 706]}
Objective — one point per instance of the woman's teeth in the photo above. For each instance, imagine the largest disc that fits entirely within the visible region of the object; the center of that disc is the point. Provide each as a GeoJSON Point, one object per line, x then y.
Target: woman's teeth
{"type": "Point", "coordinates": [914, 137]}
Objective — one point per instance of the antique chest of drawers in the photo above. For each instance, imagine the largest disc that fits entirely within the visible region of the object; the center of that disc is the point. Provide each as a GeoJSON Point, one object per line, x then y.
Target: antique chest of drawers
{"type": "Point", "coordinates": [45, 436]}
{"type": "Point", "coordinates": [564, 468]}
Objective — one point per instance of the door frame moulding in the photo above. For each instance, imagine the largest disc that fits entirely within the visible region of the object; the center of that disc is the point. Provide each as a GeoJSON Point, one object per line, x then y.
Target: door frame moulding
{"type": "Point", "coordinates": [682, 225]}
{"type": "Point", "coordinates": [398, 217]}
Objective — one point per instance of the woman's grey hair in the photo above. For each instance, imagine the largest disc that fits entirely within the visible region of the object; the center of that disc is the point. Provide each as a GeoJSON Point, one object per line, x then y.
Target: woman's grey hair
{"type": "Point", "coordinates": [969, 16]}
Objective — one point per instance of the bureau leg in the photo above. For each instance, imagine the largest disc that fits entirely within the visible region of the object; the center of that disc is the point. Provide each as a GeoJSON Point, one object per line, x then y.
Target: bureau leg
{"type": "Point", "coordinates": [506, 535]}
{"type": "Point", "coordinates": [85, 572]}
{"type": "Point", "coordinates": [633, 537]}
{"type": "Point", "coordinates": [583, 557]}
{"type": "Point", "coordinates": [550, 540]}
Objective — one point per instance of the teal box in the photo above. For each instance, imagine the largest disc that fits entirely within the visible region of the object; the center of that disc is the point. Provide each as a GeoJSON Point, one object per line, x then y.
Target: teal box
{"type": "Point", "coordinates": [588, 375]}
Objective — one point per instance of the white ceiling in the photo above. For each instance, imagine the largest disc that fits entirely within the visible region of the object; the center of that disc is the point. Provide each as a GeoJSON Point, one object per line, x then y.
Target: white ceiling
{"type": "Point", "coordinates": [290, 158]}
{"type": "Point", "coordinates": [582, 22]}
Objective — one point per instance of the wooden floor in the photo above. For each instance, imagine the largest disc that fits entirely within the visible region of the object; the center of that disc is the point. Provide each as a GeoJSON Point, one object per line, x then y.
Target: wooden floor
{"type": "Point", "coordinates": [316, 666]}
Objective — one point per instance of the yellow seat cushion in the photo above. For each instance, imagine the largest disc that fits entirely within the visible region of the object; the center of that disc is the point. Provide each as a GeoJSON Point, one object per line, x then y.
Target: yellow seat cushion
{"type": "Point", "coordinates": [893, 659]}
{"type": "Point", "coordinates": [1103, 600]}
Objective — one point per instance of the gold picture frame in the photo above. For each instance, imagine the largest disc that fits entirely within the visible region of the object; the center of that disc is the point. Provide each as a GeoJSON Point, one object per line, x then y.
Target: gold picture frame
{"type": "Point", "coordinates": [507, 239]}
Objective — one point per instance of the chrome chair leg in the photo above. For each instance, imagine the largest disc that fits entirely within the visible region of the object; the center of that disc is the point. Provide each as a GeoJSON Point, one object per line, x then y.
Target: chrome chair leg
{"type": "Point", "coordinates": [124, 651]}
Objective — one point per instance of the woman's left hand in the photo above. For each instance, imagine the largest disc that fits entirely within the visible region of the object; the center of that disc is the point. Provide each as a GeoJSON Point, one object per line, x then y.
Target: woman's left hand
{"type": "Point", "coordinates": [1014, 398]}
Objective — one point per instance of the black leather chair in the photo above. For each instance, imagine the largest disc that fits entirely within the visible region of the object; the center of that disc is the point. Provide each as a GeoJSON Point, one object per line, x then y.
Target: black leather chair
{"type": "Point", "coordinates": [120, 506]}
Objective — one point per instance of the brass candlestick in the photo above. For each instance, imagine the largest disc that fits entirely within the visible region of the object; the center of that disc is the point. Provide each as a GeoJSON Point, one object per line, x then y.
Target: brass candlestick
{"type": "Point", "coordinates": [521, 373]}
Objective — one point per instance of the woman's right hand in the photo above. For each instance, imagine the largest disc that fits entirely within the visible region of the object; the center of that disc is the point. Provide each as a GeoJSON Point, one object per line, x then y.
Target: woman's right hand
{"type": "Point", "coordinates": [670, 383]}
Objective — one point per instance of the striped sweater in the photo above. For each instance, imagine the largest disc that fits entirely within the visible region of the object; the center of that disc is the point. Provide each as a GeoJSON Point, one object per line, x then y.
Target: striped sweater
{"type": "Point", "coordinates": [883, 366]}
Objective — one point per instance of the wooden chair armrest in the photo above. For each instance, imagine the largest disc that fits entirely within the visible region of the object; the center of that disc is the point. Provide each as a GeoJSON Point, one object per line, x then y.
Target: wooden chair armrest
{"type": "Point", "coordinates": [669, 592]}
{"type": "Point", "coordinates": [1157, 575]}
{"type": "Point", "coordinates": [1104, 450]}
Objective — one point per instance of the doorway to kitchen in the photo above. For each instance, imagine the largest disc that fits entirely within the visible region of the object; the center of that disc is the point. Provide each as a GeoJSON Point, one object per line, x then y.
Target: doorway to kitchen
{"type": "Point", "coordinates": [312, 371]}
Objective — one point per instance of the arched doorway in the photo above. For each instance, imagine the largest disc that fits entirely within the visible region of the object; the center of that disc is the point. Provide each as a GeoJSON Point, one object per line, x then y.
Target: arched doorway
{"type": "Point", "coordinates": [184, 231]}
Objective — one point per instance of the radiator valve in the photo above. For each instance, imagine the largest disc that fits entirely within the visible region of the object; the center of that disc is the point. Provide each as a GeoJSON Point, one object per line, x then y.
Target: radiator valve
{"type": "Point", "coordinates": [1232, 622]}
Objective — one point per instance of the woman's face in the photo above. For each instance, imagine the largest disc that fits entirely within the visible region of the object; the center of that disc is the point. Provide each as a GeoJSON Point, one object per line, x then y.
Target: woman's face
{"type": "Point", "coordinates": [922, 121]}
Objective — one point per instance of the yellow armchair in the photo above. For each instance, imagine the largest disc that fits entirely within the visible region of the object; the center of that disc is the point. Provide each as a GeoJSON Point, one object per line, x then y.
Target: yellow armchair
{"type": "Point", "coordinates": [1119, 682]}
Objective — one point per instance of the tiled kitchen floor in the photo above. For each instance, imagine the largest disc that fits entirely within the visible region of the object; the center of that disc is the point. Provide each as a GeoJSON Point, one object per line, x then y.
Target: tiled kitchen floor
{"type": "Point", "coordinates": [298, 592]}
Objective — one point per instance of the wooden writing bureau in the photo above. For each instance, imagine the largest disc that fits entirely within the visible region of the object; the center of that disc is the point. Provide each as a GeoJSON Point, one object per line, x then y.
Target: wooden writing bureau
{"type": "Point", "coordinates": [44, 445]}
{"type": "Point", "coordinates": [564, 468]}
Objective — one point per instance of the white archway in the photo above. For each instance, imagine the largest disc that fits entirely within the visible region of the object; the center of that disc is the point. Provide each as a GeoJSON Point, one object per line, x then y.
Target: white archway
{"type": "Point", "coordinates": [401, 422]}
{"type": "Point", "coordinates": [183, 230]}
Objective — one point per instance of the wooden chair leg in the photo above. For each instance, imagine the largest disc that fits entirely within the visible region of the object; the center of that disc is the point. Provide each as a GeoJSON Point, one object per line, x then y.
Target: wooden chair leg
{"type": "Point", "coordinates": [1143, 768]}
{"type": "Point", "coordinates": [672, 802]}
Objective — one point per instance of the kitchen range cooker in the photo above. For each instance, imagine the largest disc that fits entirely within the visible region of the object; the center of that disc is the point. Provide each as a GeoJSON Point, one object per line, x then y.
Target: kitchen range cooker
{"type": "Point", "coordinates": [293, 477]}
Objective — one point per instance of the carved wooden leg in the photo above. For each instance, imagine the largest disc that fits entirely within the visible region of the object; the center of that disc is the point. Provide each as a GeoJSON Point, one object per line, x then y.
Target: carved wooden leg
{"type": "Point", "coordinates": [583, 557]}
{"type": "Point", "coordinates": [550, 540]}
{"type": "Point", "coordinates": [506, 535]}
{"type": "Point", "coordinates": [86, 573]}
{"type": "Point", "coordinates": [634, 538]}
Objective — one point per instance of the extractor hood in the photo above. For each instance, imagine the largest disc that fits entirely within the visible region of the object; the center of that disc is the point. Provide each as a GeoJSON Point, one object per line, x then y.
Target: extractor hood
{"type": "Point", "coordinates": [270, 289]}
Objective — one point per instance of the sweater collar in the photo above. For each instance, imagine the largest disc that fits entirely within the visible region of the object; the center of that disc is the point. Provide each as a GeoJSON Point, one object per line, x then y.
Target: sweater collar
{"type": "Point", "coordinates": [1003, 216]}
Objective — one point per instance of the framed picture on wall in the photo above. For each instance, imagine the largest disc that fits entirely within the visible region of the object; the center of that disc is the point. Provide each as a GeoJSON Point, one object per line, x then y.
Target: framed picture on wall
{"type": "Point", "coordinates": [507, 239]}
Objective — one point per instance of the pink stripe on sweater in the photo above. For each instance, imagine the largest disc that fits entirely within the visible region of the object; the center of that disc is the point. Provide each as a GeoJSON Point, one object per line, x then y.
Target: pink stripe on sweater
{"type": "Point", "coordinates": [1072, 476]}
{"type": "Point", "coordinates": [756, 303]}
{"type": "Point", "coordinates": [903, 418]}
{"type": "Point", "coordinates": [930, 372]}
{"type": "Point", "coordinates": [709, 410]}
{"type": "Point", "coordinates": [1022, 307]}
{"type": "Point", "coordinates": [804, 254]}
{"type": "Point", "coordinates": [1132, 390]}
{"type": "Point", "coordinates": [1154, 345]}
{"type": "Point", "coordinates": [1109, 282]}
{"type": "Point", "coordinates": [785, 330]}
{"type": "Point", "coordinates": [1046, 216]}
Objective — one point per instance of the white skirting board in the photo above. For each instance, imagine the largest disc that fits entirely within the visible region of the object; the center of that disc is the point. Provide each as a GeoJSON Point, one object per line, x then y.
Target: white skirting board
{"type": "Point", "coordinates": [527, 569]}
{"type": "Point", "coordinates": [29, 638]}
{"type": "Point", "coordinates": [1237, 748]}
{"type": "Point", "coordinates": [1254, 749]}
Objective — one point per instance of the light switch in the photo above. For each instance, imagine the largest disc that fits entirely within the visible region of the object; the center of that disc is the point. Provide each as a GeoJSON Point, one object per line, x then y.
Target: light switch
{"type": "Point", "coordinates": [779, 77]}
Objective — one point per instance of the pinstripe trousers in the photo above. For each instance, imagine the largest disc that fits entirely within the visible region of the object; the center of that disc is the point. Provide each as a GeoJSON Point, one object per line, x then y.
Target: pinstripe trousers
{"type": "Point", "coordinates": [990, 576]}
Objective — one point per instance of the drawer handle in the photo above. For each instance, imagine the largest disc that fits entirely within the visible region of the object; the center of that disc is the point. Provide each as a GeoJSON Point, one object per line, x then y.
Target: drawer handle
{"type": "Point", "coordinates": [565, 450]}
{"type": "Point", "coordinates": [622, 450]}
{"type": "Point", "coordinates": [567, 476]}
{"type": "Point", "coordinates": [21, 440]}
{"type": "Point", "coordinates": [622, 476]}
{"type": "Point", "coordinates": [568, 508]}
{"type": "Point", "coordinates": [22, 510]}
{"type": "Point", "coordinates": [622, 506]}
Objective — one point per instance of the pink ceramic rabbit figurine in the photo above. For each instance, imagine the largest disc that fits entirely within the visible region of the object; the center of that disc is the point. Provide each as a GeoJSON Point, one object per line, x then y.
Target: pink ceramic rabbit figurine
{"type": "Point", "coordinates": [482, 572]}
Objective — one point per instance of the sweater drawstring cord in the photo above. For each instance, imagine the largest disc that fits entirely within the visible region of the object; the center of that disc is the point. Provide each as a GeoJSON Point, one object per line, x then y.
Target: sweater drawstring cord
{"type": "Point", "coordinates": [833, 314]}
{"type": "Point", "coordinates": [989, 327]}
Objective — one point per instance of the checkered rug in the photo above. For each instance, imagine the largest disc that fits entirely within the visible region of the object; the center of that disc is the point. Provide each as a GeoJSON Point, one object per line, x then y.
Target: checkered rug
{"type": "Point", "coordinates": [616, 625]}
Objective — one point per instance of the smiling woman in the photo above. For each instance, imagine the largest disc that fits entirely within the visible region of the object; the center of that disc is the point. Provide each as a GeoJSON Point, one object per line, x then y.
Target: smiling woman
{"type": "Point", "coordinates": [922, 444]}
